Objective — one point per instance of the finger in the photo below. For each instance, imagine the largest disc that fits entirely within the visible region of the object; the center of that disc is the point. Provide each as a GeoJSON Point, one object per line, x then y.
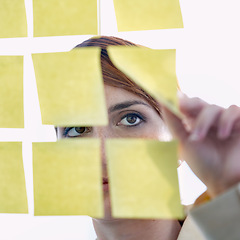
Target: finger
{"type": "Point", "coordinates": [227, 121]}
{"type": "Point", "coordinates": [174, 124]}
{"type": "Point", "coordinates": [206, 119]}
{"type": "Point", "coordinates": [190, 107]}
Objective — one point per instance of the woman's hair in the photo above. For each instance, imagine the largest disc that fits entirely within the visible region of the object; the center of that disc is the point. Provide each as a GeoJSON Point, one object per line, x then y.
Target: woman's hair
{"type": "Point", "coordinates": [113, 76]}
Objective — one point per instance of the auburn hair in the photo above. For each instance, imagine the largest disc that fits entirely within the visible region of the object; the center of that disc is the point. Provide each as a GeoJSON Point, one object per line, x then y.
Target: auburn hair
{"type": "Point", "coordinates": [112, 76]}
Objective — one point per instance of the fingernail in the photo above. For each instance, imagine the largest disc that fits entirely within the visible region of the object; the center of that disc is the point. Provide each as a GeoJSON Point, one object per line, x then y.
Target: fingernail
{"type": "Point", "coordinates": [195, 136]}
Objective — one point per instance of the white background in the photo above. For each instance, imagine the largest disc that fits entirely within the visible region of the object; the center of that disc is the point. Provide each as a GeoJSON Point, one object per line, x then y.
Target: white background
{"type": "Point", "coordinates": [208, 49]}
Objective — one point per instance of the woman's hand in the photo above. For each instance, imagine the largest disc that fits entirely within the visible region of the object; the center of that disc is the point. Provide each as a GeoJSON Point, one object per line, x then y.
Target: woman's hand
{"type": "Point", "coordinates": [209, 138]}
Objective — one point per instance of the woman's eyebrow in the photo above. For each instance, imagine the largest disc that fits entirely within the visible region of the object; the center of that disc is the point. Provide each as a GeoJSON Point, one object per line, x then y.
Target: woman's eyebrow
{"type": "Point", "coordinates": [126, 104]}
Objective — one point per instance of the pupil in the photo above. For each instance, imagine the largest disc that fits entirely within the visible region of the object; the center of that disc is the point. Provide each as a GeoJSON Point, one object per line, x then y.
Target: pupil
{"type": "Point", "coordinates": [80, 129]}
{"type": "Point", "coordinates": [131, 119]}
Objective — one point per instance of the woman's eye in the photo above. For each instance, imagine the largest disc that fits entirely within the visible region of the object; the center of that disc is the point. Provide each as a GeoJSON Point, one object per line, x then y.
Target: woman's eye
{"type": "Point", "coordinates": [130, 120]}
{"type": "Point", "coordinates": [76, 131]}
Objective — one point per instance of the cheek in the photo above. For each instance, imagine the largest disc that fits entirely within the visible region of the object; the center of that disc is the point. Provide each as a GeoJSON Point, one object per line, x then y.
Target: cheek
{"type": "Point", "coordinates": [147, 131]}
{"type": "Point", "coordinates": [164, 134]}
{"type": "Point", "coordinates": [155, 131]}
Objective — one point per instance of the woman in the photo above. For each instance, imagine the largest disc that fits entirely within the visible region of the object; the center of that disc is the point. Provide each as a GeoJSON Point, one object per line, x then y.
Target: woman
{"type": "Point", "coordinates": [209, 139]}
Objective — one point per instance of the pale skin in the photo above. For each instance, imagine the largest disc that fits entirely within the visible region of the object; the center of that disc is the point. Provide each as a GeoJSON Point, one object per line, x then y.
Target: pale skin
{"type": "Point", "coordinates": [210, 145]}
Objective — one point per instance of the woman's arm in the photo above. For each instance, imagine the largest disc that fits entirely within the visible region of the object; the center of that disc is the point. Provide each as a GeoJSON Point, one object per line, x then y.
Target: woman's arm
{"type": "Point", "coordinates": [209, 137]}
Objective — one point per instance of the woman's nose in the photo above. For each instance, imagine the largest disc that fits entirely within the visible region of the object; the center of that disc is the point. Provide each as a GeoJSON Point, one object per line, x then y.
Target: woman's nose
{"type": "Point", "coordinates": [103, 133]}
{"type": "Point", "coordinates": [103, 154]}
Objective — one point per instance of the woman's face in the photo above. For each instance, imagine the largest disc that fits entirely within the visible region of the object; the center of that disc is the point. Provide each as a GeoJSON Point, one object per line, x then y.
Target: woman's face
{"type": "Point", "coordinates": [130, 116]}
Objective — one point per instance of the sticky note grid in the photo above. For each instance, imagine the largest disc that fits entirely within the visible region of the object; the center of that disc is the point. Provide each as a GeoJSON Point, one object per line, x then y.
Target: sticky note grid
{"type": "Point", "coordinates": [70, 89]}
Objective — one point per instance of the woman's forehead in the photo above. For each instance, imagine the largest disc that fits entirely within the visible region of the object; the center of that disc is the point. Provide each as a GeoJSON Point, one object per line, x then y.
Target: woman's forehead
{"type": "Point", "coordinates": [115, 95]}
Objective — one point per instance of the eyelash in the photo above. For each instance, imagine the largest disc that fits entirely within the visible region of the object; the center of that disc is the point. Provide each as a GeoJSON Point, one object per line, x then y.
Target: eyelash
{"type": "Point", "coordinates": [141, 117]}
{"type": "Point", "coordinates": [68, 129]}
{"type": "Point", "coordinates": [138, 115]}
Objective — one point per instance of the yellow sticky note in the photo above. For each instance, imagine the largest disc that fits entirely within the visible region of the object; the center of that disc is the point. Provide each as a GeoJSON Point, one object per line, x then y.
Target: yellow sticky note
{"type": "Point", "coordinates": [13, 195]}
{"type": "Point", "coordinates": [67, 178]}
{"type": "Point", "coordinates": [153, 70]}
{"type": "Point", "coordinates": [70, 87]}
{"type": "Point", "coordinates": [136, 15]}
{"type": "Point", "coordinates": [11, 92]}
{"type": "Point", "coordinates": [13, 21]}
{"type": "Point", "coordinates": [64, 17]}
{"type": "Point", "coordinates": [143, 179]}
